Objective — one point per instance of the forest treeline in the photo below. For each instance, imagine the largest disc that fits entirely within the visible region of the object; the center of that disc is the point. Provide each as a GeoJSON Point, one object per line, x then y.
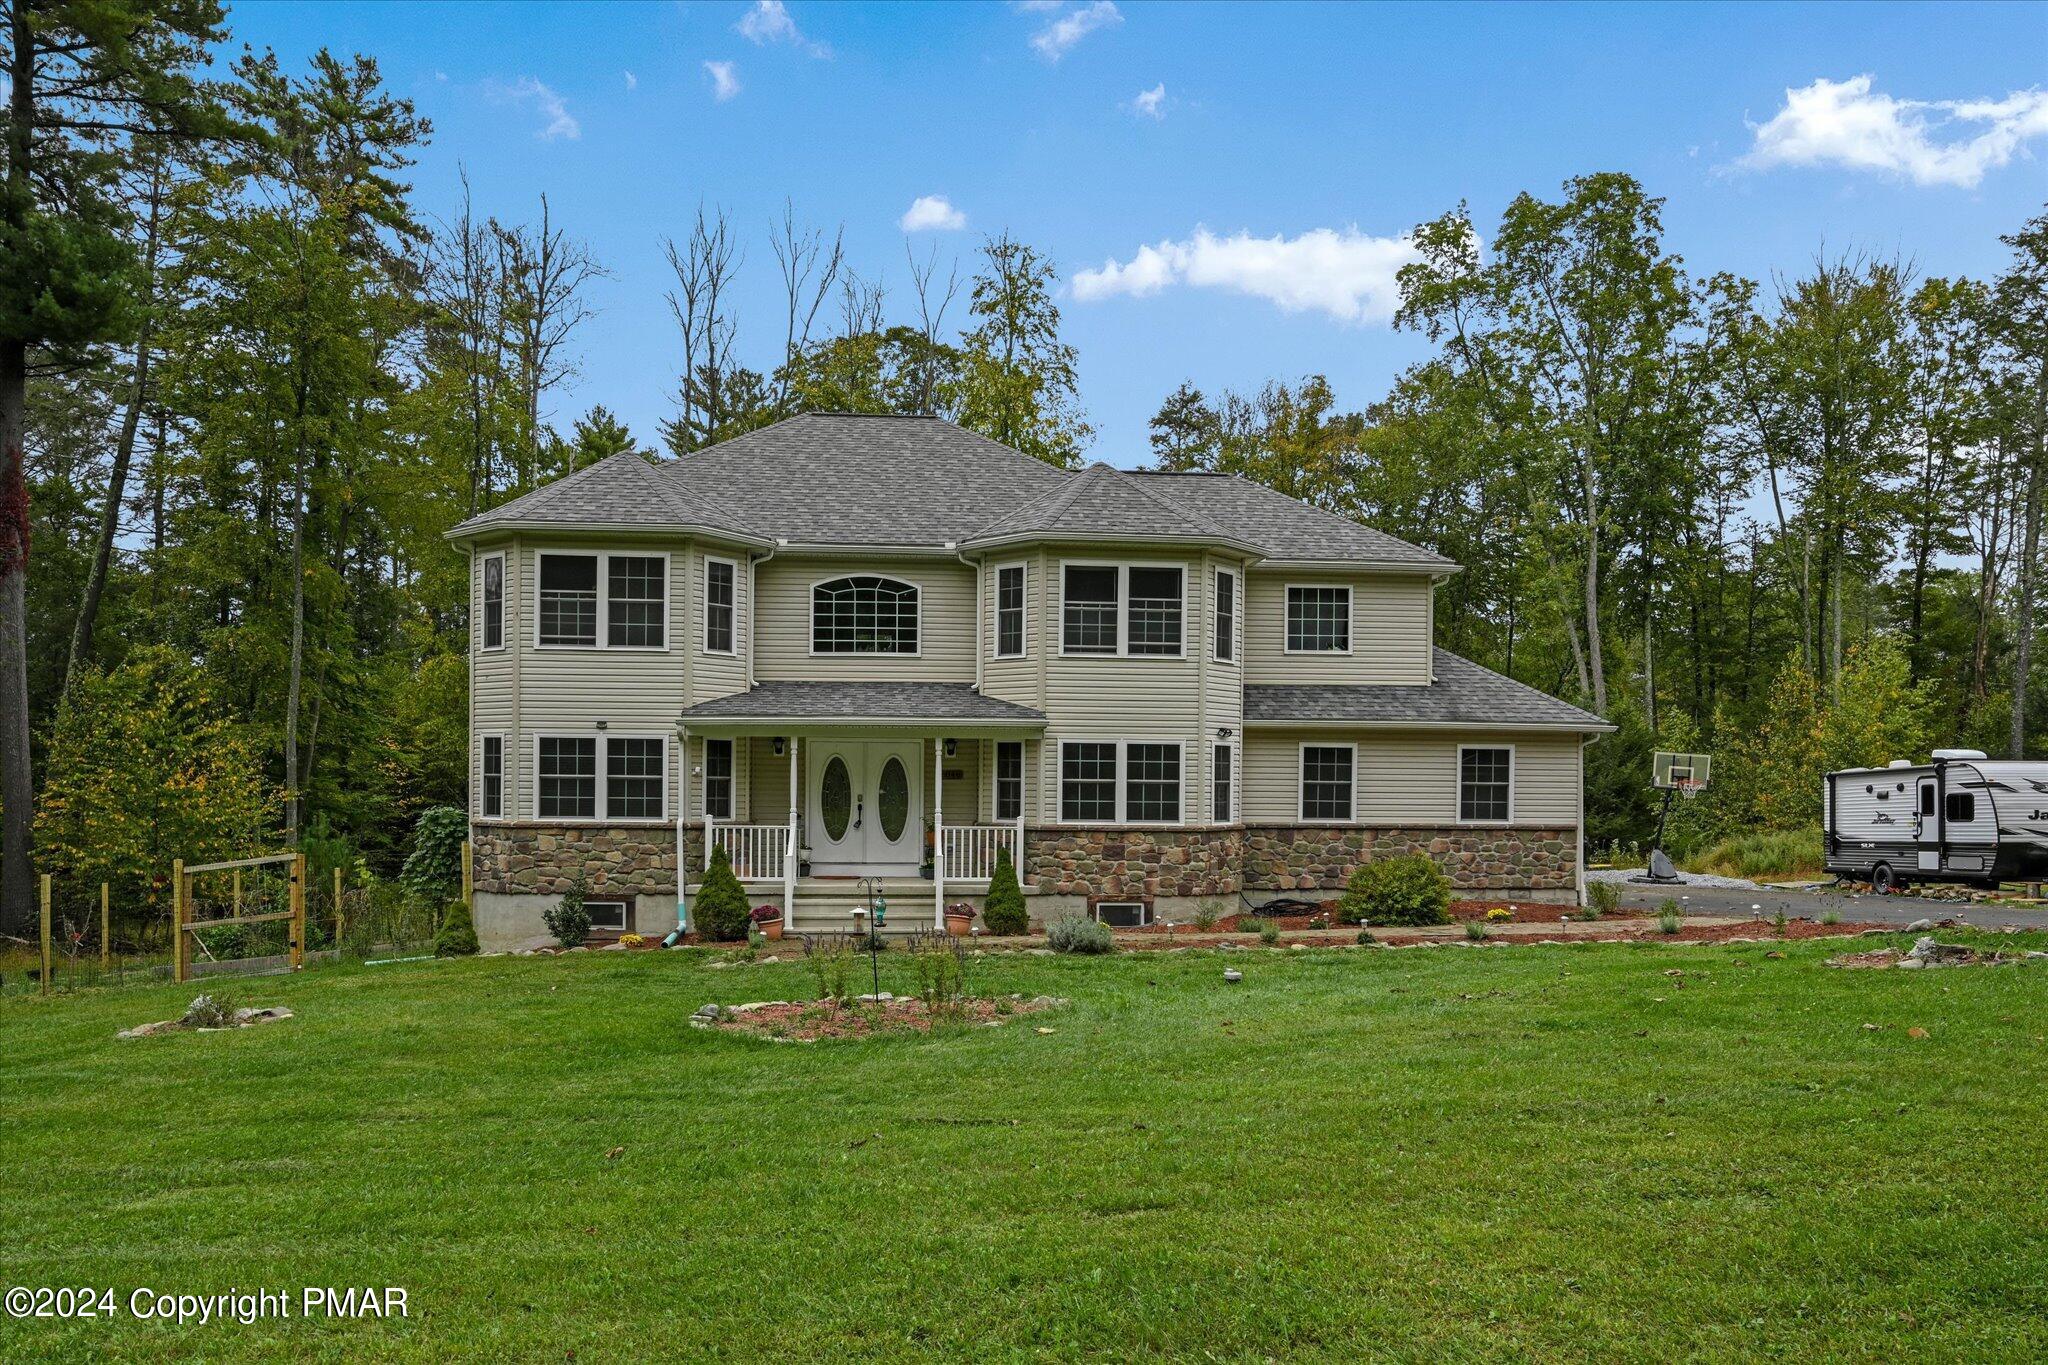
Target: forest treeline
{"type": "Point", "coordinates": [247, 381]}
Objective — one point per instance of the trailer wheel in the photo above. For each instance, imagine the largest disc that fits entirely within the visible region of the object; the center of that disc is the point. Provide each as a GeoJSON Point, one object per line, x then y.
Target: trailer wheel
{"type": "Point", "coordinates": [1883, 880]}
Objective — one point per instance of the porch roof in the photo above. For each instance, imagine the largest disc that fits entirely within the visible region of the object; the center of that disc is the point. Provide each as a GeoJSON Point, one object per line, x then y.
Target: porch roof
{"type": "Point", "coordinates": [896, 705]}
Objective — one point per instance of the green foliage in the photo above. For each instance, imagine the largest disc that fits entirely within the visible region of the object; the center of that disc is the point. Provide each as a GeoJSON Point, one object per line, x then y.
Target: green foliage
{"type": "Point", "coordinates": [567, 919]}
{"type": "Point", "coordinates": [1208, 914]}
{"type": "Point", "coordinates": [433, 871]}
{"type": "Point", "coordinates": [1078, 934]}
{"type": "Point", "coordinates": [1669, 917]}
{"type": "Point", "coordinates": [143, 766]}
{"type": "Point", "coordinates": [1602, 898]}
{"type": "Point", "coordinates": [1003, 912]}
{"type": "Point", "coordinates": [1365, 938]}
{"type": "Point", "coordinates": [1406, 890]}
{"type": "Point", "coordinates": [458, 934]}
{"type": "Point", "coordinates": [720, 910]}
{"type": "Point", "coordinates": [1478, 930]}
{"type": "Point", "coordinates": [1763, 853]}
{"type": "Point", "coordinates": [1268, 930]}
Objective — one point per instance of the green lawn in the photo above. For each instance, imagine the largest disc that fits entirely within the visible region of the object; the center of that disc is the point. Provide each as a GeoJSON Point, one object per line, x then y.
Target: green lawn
{"type": "Point", "coordinates": [1503, 1153]}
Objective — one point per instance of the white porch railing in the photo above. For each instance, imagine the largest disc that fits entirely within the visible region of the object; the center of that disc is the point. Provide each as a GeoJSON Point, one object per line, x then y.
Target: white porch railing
{"type": "Point", "coordinates": [971, 850]}
{"type": "Point", "coordinates": [758, 852]}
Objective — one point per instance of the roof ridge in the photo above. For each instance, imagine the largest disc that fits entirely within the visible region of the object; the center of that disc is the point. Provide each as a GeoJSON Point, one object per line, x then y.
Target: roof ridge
{"type": "Point", "coordinates": [1053, 501]}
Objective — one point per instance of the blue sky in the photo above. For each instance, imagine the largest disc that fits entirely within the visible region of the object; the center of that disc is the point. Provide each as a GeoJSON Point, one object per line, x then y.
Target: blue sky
{"type": "Point", "coordinates": [1305, 140]}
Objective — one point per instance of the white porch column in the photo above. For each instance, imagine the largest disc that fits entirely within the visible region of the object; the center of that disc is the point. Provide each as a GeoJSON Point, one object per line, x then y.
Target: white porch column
{"type": "Point", "coordinates": [682, 825]}
{"type": "Point", "coordinates": [938, 833]}
{"type": "Point", "coordinates": [707, 803]}
{"type": "Point", "coordinates": [789, 853]}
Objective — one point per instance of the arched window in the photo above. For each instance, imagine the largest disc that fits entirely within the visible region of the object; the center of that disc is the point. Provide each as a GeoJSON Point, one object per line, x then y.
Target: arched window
{"type": "Point", "coordinates": [864, 615]}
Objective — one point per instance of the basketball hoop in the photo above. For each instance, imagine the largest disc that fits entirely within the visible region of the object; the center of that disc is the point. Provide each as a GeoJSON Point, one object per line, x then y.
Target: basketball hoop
{"type": "Point", "coordinates": [1689, 787]}
{"type": "Point", "coordinates": [1674, 774]}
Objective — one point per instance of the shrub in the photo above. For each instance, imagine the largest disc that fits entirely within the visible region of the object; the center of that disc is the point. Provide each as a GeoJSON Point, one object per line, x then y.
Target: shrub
{"type": "Point", "coordinates": [1602, 898]}
{"type": "Point", "coordinates": [1073, 934]}
{"type": "Point", "coordinates": [1409, 889]}
{"type": "Point", "coordinates": [1003, 912]}
{"type": "Point", "coordinates": [566, 919]}
{"type": "Point", "coordinates": [433, 870]}
{"type": "Point", "coordinates": [458, 935]}
{"type": "Point", "coordinates": [1208, 914]}
{"type": "Point", "coordinates": [721, 906]}
{"type": "Point", "coordinates": [1365, 937]}
{"type": "Point", "coordinates": [1763, 853]}
{"type": "Point", "coordinates": [1477, 930]}
{"type": "Point", "coordinates": [1830, 917]}
{"type": "Point", "coordinates": [1269, 932]}
{"type": "Point", "coordinates": [1669, 917]}
{"type": "Point", "coordinates": [210, 1011]}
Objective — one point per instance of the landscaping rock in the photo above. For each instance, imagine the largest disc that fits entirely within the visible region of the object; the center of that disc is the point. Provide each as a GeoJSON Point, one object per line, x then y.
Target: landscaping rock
{"type": "Point", "coordinates": [1232, 975]}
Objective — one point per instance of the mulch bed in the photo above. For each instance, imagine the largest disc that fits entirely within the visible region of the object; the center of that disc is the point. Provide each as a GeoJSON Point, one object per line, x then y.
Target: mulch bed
{"type": "Point", "coordinates": [808, 1021]}
{"type": "Point", "coordinates": [1615, 930]}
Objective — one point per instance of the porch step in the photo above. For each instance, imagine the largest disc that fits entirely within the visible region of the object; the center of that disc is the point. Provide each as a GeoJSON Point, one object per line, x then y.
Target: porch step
{"type": "Point", "coordinates": [826, 905]}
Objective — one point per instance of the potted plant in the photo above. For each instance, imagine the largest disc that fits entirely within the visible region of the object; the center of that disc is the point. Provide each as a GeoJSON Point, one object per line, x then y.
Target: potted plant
{"type": "Point", "coordinates": [959, 919]}
{"type": "Point", "coordinates": [768, 919]}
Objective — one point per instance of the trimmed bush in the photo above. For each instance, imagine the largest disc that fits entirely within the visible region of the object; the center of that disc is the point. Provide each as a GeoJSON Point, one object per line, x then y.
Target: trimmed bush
{"type": "Point", "coordinates": [1073, 934]}
{"type": "Point", "coordinates": [433, 870]}
{"type": "Point", "coordinates": [1003, 913]}
{"type": "Point", "coordinates": [458, 935]}
{"type": "Point", "coordinates": [1602, 898]}
{"type": "Point", "coordinates": [1409, 889]}
{"type": "Point", "coordinates": [720, 910]}
{"type": "Point", "coordinates": [566, 919]}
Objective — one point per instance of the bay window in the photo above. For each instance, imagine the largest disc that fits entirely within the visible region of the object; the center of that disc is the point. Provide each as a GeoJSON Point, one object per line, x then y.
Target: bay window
{"type": "Point", "coordinates": [576, 590]}
{"type": "Point", "coordinates": [1135, 782]}
{"type": "Point", "coordinates": [1123, 609]}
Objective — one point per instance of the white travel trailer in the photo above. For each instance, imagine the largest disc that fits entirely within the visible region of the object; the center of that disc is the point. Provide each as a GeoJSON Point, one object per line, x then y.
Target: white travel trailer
{"type": "Point", "coordinates": [1961, 818]}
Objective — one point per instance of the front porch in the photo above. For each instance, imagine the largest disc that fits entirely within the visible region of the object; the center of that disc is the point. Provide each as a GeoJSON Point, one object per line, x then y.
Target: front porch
{"type": "Point", "coordinates": [823, 794]}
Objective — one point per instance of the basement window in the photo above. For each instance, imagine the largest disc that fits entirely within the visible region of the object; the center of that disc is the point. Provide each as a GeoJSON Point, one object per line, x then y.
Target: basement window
{"type": "Point", "coordinates": [1123, 914]}
{"type": "Point", "coordinates": [607, 915]}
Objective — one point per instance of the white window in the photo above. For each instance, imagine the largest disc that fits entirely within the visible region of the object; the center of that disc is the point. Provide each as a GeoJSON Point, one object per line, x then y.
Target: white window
{"type": "Point", "coordinates": [1223, 646]}
{"type": "Point", "coordinates": [1222, 789]}
{"type": "Point", "coordinates": [1486, 783]}
{"type": "Point", "coordinates": [720, 579]}
{"type": "Point", "coordinates": [628, 592]}
{"type": "Point", "coordinates": [1123, 914]}
{"type": "Point", "coordinates": [1010, 612]}
{"type": "Point", "coordinates": [1127, 609]}
{"type": "Point", "coordinates": [718, 778]}
{"type": "Point", "coordinates": [1318, 620]}
{"type": "Point", "coordinates": [565, 773]}
{"type": "Point", "coordinates": [491, 799]}
{"type": "Point", "coordinates": [864, 615]}
{"type": "Point", "coordinates": [634, 783]}
{"type": "Point", "coordinates": [1328, 781]}
{"type": "Point", "coordinates": [1009, 781]}
{"type": "Point", "coordinates": [1136, 782]}
{"type": "Point", "coordinates": [494, 602]}
{"type": "Point", "coordinates": [606, 914]}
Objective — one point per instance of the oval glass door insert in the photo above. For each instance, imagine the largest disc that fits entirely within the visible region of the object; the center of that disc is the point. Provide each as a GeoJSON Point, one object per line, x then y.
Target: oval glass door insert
{"type": "Point", "coordinates": [835, 798]}
{"type": "Point", "coordinates": [892, 799]}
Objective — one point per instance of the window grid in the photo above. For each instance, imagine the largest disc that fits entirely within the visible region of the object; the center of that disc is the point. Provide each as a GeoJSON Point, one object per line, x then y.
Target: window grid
{"type": "Point", "coordinates": [492, 800]}
{"type": "Point", "coordinates": [635, 601]}
{"type": "Point", "coordinates": [864, 616]}
{"type": "Point", "coordinates": [1152, 784]}
{"type": "Point", "coordinates": [1155, 611]}
{"type": "Point", "coordinates": [568, 599]}
{"type": "Point", "coordinates": [1088, 606]}
{"type": "Point", "coordinates": [1326, 782]}
{"type": "Point", "coordinates": [1483, 777]}
{"type": "Point", "coordinates": [718, 778]}
{"type": "Point", "coordinates": [1009, 779]}
{"type": "Point", "coordinates": [1088, 783]}
{"type": "Point", "coordinates": [1220, 780]}
{"type": "Point", "coordinates": [1010, 612]}
{"type": "Point", "coordinates": [719, 575]}
{"type": "Point", "coordinates": [494, 602]}
{"type": "Point", "coordinates": [1318, 620]}
{"type": "Point", "coordinates": [567, 775]}
{"type": "Point", "coordinates": [1226, 616]}
{"type": "Point", "coordinates": [633, 778]}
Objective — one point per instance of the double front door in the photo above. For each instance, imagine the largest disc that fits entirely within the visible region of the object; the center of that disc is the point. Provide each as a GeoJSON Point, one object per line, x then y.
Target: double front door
{"type": "Point", "coordinates": [866, 808]}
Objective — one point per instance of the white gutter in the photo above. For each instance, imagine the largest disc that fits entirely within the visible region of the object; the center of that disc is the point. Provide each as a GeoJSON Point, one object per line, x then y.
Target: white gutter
{"type": "Point", "coordinates": [754, 563]}
{"type": "Point", "coordinates": [608, 528]}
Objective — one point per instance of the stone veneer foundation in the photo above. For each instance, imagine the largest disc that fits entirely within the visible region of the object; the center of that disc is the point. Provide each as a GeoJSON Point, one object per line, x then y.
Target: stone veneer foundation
{"type": "Point", "coordinates": [544, 859]}
{"type": "Point", "coordinates": [1321, 857]}
{"type": "Point", "coordinates": [1132, 862]}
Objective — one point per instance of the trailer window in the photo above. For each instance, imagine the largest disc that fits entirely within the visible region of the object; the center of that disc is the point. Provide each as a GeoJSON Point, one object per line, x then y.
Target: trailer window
{"type": "Point", "coordinates": [1927, 799]}
{"type": "Point", "coordinates": [1962, 807]}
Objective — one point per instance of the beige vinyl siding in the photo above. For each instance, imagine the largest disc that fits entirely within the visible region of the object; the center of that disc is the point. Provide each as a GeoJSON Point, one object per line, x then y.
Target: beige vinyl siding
{"type": "Point", "coordinates": [1390, 629]}
{"type": "Point", "coordinates": [566, 691]}
{"type": "Point", "coordinates": [744, 770]}
{"type": "Point", "coordinates": [1017, 680]}
{"type": "Point", "coordinates": [768, 780]}
{"type": "Point", "coordinates": [1411, 777]}
{"type": "Point", "coordinates": [965, 778]}
{"type": "Point", "coordinates": [716, 675]}
{"type": "Point", "coordinates": [767, 785]}
{"type": "Point", "coordinates": [946, 593]}
{"type": "Point", "coordinates": [493, 678]}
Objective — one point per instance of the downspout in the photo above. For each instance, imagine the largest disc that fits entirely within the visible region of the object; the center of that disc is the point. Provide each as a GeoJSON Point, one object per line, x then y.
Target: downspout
{"type": "Point", "coordinates": [754, 563]}
{"type": "Point", "coordinates": [682, 842]}
{"type": "Point", "coordinates": [980, 586]}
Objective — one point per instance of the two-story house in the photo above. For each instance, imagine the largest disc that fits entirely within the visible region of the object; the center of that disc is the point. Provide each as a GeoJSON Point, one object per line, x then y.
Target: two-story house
{"type": "Point", "coordinates": [849, 648]}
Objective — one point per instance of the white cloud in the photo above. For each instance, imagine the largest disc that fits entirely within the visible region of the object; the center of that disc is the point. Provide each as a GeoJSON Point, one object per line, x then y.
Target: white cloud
{"type": "Point", "coordinates": [558, 122]}
{"type": "Point", "coordinates": [932, 213]}
{"type": "Point", "coordinates": [1846, 123]}
{"type": "Point", "coordinates": [1151, 103]}
{"type": "Point", "coordinates": [1057, 37]}
{"type": "Point", "coordinates": [632, 81]}
{"type": "Point", "coordinates": [1348, 275]}
{"type": "Point", "coordinates": [725, 79]}
{"type": "Point", "coordinates": [769, 22]}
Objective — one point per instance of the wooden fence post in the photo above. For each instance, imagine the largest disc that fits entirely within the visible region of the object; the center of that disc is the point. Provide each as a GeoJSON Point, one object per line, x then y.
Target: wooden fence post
{"type": "Point", "coordinates": [337, 909]}
{"type": "Point", "coordinates": [238, 892]}
{"type": "Point", "coordinates": [178, 910]}
{"type": "Point", "coordinates": [106, 934]}
{"type": "Point", "coordinates": [46, 933]}
{"type": "Point", "coordinates": [468, 882]}
{"type": "Point", "coordinates": [298, 912]}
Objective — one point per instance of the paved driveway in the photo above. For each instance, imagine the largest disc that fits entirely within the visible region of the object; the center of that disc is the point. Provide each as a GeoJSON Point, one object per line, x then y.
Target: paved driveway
{"type": "Point", "coordinates": [1900, 910]}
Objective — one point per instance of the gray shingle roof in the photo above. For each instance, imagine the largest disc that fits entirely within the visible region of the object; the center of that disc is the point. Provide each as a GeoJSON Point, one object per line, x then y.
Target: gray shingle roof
{"type": "Point", "coordinates": [1463, 694]}
{"type": "Point", "coordinates": [862, 701]}
{"type": "Point", "coordinates": [1280, 526]}
{"type": "Point", "coordinates": [841, 479]}
{"type": "Point", "coordinates": [619, 490]}
{"type": "Point", "coordinates": [1104, 503]}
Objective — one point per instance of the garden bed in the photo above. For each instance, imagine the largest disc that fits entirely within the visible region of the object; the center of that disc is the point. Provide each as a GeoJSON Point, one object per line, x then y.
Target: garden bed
{"type": "Point", "coordinates": [810, 1021]}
